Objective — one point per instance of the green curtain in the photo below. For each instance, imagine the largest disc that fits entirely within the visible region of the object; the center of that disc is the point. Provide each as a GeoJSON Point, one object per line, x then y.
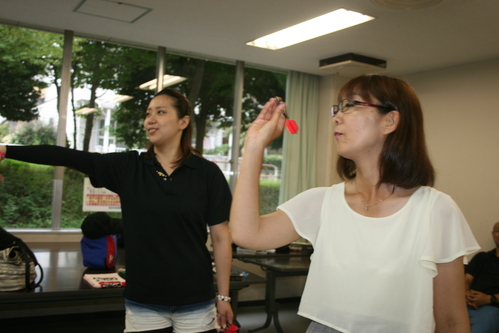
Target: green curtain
{"type": "Point", "coordinates": [299, 150]}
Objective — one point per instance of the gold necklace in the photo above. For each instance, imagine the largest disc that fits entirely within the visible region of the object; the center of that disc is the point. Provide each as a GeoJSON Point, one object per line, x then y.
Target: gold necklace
{"type": "Point", "coordinates": [161, 174]}
{"type": "Point", "coordinates": [374, 204]}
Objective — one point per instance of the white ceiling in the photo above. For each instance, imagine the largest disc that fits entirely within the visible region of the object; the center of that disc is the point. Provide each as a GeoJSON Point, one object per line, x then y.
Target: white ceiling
{"type": "Point", "coordinates": [451, 33]}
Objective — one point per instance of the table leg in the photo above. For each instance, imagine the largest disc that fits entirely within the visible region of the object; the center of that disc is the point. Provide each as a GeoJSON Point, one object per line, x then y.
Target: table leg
{"type": "Point", "coordinates": [271, 306]}
{"type": "Point", "coordinates": [234, 295]}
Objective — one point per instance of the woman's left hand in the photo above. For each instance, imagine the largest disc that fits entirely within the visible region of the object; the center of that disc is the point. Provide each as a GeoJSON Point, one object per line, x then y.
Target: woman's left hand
{"type": "Point", "coordinates": [225, 316]}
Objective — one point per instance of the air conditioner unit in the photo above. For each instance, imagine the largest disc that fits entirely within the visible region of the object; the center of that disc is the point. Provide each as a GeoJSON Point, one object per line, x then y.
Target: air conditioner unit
{"type": "Point", "coordinates": [351, 65]}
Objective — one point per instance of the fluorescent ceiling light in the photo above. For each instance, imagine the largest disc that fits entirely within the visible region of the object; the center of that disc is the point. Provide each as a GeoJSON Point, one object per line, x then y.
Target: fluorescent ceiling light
{"type": "Point", "coordinates": [121, 98]}
{"type": "Point", "coordinates": [114, 99]}
{"type": "Point", "coordinates": [319, 26]}
{"type": "Point", "coordinates": [85, 111]}
{"type": "Point", "coordinates": [168, 80]}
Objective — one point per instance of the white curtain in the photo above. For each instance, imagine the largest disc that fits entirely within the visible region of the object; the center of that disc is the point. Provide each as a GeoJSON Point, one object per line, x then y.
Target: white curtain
{"type": "Point", "coordinates": [299, 150]}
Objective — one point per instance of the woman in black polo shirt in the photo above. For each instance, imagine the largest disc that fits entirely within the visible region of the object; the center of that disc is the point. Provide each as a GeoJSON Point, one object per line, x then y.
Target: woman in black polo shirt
{"type": "Point", "coordinates": [169, 195]}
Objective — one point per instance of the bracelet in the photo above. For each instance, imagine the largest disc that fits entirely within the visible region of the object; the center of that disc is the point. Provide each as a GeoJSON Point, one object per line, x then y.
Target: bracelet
{"type": "Point", "coordinates": [223, 298]}
{"type": "Point", "coordinates": [2, 156]}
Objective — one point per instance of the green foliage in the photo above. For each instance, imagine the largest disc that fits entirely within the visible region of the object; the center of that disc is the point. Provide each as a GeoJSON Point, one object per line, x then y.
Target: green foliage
{"type": "Point", "coordinates": [23, 64]}
{"type": "Point", "coordinates": [273, 159]}
{"type": "Point", "coordinates": [35, 133]}
{"type": "Point", "coordinates": [101, 65]}
{"type": "Point", "coordinates": [26, 196]}
{"type": "Point", "coordinates": [4, 131]}
{"type": "Point", "coordinates": [18, 99]}
{"type": "Point", "coordinates": [130, 114]}
{"type": "Point", "coordinates": [220, 150]}
{"type": "Point", "coordinates": [72, 199]}
{"type": "Point", "coordinates": [216, 98]}
{"type": "Point", "coordinates": [269, 196]}
{"type": "Point", "coordinates": [209, 87]}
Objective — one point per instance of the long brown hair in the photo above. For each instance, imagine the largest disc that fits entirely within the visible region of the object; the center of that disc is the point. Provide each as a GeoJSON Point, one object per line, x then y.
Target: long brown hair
{"type": "Point", "coordinates": [183, 108]}
{"type": "Point", "coordinates": [404, 160]}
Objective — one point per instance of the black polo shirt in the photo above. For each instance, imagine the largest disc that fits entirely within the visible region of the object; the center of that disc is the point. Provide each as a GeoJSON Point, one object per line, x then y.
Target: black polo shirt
{"type": "Point", "coordinates": [165, 221]}
{"type": "Point", "coordinates": [484, 267]}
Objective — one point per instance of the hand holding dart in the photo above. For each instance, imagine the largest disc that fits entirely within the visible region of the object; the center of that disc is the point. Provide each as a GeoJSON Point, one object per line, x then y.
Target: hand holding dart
{"type": "Point", "coordinates": [290, 123]}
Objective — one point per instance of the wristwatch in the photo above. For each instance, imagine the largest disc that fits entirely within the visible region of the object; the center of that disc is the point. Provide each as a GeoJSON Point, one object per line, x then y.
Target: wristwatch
{"type": "Point", "coordinates": [493, 299]}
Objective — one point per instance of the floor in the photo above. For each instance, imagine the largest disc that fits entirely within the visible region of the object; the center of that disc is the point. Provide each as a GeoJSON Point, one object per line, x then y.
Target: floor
{"type": "Point", "coordinates": [250, 316]}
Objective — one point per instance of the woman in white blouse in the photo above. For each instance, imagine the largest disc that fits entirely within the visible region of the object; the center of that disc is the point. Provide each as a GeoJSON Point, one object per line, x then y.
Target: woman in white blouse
{"type": "Point", "coordinates": [388, 248]}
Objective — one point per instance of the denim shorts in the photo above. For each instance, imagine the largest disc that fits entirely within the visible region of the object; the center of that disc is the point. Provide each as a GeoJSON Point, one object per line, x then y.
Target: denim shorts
{"type": "Point", "coordinates": [190, 318]}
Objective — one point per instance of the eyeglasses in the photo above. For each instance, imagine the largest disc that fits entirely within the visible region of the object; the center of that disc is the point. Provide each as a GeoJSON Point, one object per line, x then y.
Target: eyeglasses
{"type": "Point", "coordinates": [348, 103]}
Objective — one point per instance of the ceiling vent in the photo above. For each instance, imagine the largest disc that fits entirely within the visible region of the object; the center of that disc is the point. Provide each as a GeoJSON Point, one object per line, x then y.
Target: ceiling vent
{"type": "Point", "coordinates": [406, 4]}
{"type": "Point", "coordinates": [351, 65]}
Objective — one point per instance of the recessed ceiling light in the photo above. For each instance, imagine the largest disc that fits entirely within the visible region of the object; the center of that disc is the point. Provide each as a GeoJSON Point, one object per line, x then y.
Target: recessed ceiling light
{"type": "Point", "coordinates": [85, 111]}
{"type": "Point", "coordinates": [121, 98]}
{"type": "Point", "coordinates": [168, 80]}
{"type": "Point", "coordinates": [319, 26]}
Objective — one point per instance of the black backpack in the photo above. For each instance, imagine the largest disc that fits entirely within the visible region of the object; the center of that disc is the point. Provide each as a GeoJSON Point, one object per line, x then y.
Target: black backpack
{"type": "Point", "coordinates": [17, 264]}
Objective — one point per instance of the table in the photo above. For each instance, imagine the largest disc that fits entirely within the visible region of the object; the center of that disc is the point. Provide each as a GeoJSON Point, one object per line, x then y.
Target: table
{"type": "Point", "coordinates": [261, 255]}
{"type": "Point", "coordinates": [277, 267]}
{"type": "Point", "coordinates": [63, 290]}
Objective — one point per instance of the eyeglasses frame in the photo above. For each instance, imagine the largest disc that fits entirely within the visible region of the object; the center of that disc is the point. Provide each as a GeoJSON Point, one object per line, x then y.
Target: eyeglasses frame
{"type": "Point", "coordinates": [336, 108]}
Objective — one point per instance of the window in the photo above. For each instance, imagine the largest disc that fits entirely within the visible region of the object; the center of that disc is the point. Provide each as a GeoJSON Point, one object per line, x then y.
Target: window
{"type": "Point", "coordinates": [106, 111]}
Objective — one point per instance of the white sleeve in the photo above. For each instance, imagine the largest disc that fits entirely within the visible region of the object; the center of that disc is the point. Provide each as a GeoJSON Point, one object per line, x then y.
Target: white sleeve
{"type": "Point", "coordinates": [450, 234]}
{"type": "Point", "coordinates": [304, 211]}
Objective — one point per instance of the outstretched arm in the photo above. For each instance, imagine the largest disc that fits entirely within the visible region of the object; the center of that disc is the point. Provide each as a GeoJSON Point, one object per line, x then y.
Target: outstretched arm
{"type": "Point", "coordinates": [248, 228]}
{"type": "Point", "coordinates": [51, 155]}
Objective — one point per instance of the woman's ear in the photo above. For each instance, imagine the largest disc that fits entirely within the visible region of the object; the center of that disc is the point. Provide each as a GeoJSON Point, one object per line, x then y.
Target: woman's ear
{"type": "Point", "coordinates": [391, 121]}
{"type": "Point", "coordinates": [184, 122]}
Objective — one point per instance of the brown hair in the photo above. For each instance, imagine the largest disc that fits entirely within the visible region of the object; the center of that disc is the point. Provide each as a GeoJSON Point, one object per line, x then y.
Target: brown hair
{"type": "Point", "coordinates": [404, 160]}
{"type": "Point", "coordinates": [183, 108]}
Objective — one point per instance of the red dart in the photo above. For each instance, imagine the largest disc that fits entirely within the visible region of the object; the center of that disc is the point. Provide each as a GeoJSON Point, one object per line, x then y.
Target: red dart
{"type": "Point", "coordinates": [290, 123]}
{"type": "Point", "coordinates": [231, 329]}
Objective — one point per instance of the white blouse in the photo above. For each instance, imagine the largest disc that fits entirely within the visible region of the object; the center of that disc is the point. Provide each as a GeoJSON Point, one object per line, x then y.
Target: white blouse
{"type": "Point", "coordinates": [376, 274]}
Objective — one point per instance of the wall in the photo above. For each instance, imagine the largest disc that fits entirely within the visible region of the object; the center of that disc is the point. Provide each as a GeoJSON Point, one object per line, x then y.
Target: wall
{"type": "Point", "coordinates": [461, 110]}
{"type": "Point", "coordinates": [326, 146]}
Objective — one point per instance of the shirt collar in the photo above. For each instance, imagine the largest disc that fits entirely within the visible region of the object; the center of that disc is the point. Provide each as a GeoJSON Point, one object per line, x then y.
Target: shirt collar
{"type": "Point", "coordinates": [192, 161]}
